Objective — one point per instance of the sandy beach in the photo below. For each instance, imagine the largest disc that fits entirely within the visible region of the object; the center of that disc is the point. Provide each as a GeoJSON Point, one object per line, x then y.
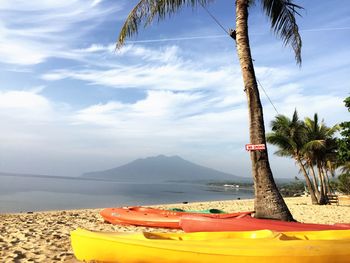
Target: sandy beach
{"type": "Point", "coordinates": [44, 236]}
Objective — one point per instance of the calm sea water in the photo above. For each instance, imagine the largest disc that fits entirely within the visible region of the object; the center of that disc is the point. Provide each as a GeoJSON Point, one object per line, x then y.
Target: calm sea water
{"type": "Point", "coordinates": [22, 194]}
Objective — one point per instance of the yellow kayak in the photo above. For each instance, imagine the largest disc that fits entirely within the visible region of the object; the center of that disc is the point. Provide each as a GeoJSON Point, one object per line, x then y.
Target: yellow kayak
{"type": "Point", "coordinates": [251, 246]}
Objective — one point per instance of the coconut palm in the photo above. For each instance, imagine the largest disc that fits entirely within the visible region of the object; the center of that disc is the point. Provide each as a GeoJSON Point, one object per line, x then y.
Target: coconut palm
{"type": "Point", "coordinates": [318, 149]}
{"type": "Point", "coordinates": [329, 161]}
{"type": "Point", "coordinates": [312, 145]}
{"type": "Point", "coordinates": [268, 201]}
{"type": "Point", "coordinates": [289, 136]}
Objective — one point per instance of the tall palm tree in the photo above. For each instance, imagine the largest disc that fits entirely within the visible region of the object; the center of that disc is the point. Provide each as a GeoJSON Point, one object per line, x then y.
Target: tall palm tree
{"type": "Point", "coordinates": [329, 161]}
{"type": "Point", "coordinates": [319, 147]}
{"type": "Point", "coordinates": [289, 136]}
{"type": "Point", "coordinates": [268, 201]}
{"type": "Point", "coordinates": [312, 145]}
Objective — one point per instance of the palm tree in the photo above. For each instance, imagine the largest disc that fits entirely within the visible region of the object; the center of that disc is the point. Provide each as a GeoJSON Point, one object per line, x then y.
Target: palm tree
{"type": "Point", "coordinates": [311, 144]}
{"type": "Point", "coordinates": [318, 149]}
{"type": "Point", "coordinates": [289, 136]}
{"type": "Point", "coordinates": [268, 201]}
{"type": "Point", "coordinates": [329, 161]}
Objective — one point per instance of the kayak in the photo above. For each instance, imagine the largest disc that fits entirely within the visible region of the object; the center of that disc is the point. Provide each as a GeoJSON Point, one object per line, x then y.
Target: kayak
{"type": "Point", "coordinates": [205, 211]}
{"type": "Point", "coordinates": [154, 217]}
{"type": "Point", "coordinates": [190, 223]}
{"type": "Point", "coordinates": [262, 246]}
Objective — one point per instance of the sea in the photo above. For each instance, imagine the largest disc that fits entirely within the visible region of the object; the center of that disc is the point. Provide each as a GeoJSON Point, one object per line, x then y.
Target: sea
{"type": "Point", "coordinates": [22, 193]}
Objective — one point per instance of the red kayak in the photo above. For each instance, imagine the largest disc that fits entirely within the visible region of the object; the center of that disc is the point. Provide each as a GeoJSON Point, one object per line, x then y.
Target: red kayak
{"type": "Point", "coordinates": [153, 217]}
{"type": "Point", "coordinates": [191, 223]}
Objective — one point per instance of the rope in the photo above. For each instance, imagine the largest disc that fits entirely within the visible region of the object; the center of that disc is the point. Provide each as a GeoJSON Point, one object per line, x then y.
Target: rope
{"type": "Point", "coordinates": [267, 95]}
{"type": "Point", "coordinates": [214, 18]}
{"type": "Point", "coordinates": [228, 33]}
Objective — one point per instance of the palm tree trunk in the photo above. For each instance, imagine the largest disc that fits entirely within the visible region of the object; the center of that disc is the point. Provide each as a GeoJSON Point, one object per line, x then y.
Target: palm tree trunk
{"type": "Point", "coordinates": [317, 192]}
{"type": "Point", "coordinates": [268, 201]}
{"type": "Point", "coordinates": [326, 176]}
{"type": "Point", "coordinates": [308, 182]}
{"type": "Point", "coordinates": [326, 180]}
{"type": "Point", "coordinates": [323, 194]}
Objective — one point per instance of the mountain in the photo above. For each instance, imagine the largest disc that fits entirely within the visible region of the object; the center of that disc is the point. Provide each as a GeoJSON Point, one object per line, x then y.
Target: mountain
{"type": "Point", "coordinates": [161, 169]}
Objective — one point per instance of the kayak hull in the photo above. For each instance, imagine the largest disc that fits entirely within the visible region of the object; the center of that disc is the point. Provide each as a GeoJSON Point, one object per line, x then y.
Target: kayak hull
{"type": "Point", "coordinates": [249, 247]}
{"type": "Point", "coordinates": [153, 217]}
{"type": "Point", "coordinates": [190, 223]}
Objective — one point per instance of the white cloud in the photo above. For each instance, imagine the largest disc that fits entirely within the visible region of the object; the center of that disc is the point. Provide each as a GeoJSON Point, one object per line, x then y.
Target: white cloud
{"type": "Point", "coordinates": [161, 77]}
{"type": "Point", "coordinates": [24, 101]}
{"type": "Point", "coordinates": [166, 115]}
{"type": "Point", "coordinates": [150, 69]}
{"type": "Point", "coordinates": [330, 107]}
{"type": "Point", "coordinates": [160, 106]}
{"type": "Point", "coordinates": [96, 2]}
{"type": "Point", "coordinates": [14, 52]}
{"type": "Point", "coordinates": [167, 54]}
{"type": "Point", "coordinates": [97, 48]}
{"type": "Point", "coordinates": [33, 31]}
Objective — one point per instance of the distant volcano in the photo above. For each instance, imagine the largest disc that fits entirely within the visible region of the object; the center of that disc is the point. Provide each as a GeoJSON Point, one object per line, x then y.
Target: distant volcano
{"type": "Point", "coordinates": [161, 169]}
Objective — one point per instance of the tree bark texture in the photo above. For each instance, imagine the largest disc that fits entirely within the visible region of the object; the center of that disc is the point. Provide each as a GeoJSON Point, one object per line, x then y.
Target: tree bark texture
{"type": "Point", "coordinates": [268, 201]}
{"type": "Point", "coordinates": [323, 195]}
{"type": "Point", "coordinates": [308, 182]}
{"type": "Point", "coordinates": [311, 169]}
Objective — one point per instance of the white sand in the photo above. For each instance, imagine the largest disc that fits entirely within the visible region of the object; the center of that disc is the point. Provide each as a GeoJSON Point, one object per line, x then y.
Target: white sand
{"type": "Point", "coordinates": [44, 236]}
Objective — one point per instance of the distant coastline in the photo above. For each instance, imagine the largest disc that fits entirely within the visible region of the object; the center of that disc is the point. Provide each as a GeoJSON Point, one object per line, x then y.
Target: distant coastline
{"type": "Point", "coordinates": [41, 193]}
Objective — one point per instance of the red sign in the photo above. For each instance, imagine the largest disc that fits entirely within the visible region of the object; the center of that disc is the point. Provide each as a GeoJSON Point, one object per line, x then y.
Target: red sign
{"type": "Point", "coordinates": [255, 147]}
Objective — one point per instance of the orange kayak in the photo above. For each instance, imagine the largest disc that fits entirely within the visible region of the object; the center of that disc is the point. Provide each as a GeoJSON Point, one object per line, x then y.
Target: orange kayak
{"type": "Point", "coordinates": [191, 223]}
{"type": "Point", "coordinates": [154, 217]}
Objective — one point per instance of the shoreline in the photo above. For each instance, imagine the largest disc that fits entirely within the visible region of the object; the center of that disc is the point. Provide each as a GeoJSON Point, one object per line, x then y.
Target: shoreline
{"type": "Point", "coordinates": [45, 236]}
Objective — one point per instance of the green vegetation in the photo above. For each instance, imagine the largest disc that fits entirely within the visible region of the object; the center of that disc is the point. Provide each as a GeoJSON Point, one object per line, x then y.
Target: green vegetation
{"type": "Point", "coordinates": [342, 184]}
{"type": "Point", "coordinates": [344, 143]}
{"type": "Point", "coordinates": [292, 189]}
{"type": "Point", "coordinates": [316, 150]}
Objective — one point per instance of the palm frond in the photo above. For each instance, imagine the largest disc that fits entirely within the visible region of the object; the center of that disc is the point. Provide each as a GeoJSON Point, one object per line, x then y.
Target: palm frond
{"type": "Point", "coordinates": [280, 123]}
{"type": "Point", "coordinates": [345, 167]}
{"type": "Point", "coordinates": [278, 140]}
{"type": "Point", "coordinates": [331, 131]}
{"type": "Point", "coordinates": [314, 145]}
{"type": "Point", "coordinates": [282, 14]}
{"type": "Point", "coordinates": [147, 10]}
{"type": "Point", "coordinates": [283, 153]}
{"type": "Point", "coordinates": [295, 117]}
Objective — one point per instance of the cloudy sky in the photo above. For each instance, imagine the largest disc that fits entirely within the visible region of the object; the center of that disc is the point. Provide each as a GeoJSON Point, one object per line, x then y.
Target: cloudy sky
{"type": "Point", "coordinates": [70, 103]}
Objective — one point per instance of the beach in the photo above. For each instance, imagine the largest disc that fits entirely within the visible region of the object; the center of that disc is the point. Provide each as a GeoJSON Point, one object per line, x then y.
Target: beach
{"type": "Point", "coordinates": [45, 236]}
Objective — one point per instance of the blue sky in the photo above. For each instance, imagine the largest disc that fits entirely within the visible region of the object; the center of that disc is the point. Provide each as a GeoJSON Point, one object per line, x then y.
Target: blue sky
{"type": "Point", "coordinates": [69, 103]}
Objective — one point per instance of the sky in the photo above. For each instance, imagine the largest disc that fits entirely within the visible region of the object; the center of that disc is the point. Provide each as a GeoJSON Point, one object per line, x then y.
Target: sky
{"type": "Point", "coordinates": [70, 103]}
